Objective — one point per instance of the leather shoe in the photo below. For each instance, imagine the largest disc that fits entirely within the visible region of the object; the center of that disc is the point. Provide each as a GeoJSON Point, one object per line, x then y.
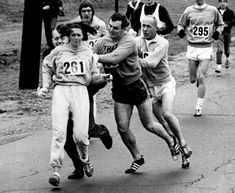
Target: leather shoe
{"type": "Point", "coordinates": [106, 139]}
{"type": "Point", "coordinates": [76, 174]}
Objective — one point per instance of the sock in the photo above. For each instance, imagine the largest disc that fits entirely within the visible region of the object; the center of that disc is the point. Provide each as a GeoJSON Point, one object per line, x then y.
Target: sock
{"type": "Point", "coordinates": [199, 103]}
{"type": "Point", "coordinates": [219, 66]}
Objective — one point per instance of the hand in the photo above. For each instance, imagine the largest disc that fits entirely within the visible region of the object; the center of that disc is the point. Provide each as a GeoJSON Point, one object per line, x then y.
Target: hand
{"type": "Point", "coordinates": [107, 77]}
{"type": "Point", "coordinates": [181, 33]}
{"type": "Point", "coordinates": [46, 7]}
{"type": "Point", "coordinates": [132, 32]}
{"type": "Point", "coordinates": [215, 35]}
{"type": "Point", "coordinates": [42, 92]}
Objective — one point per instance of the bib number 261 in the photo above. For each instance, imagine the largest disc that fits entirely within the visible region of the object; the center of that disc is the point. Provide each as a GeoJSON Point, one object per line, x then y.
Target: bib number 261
{"type": "Point", "coordinates": [74, 68]}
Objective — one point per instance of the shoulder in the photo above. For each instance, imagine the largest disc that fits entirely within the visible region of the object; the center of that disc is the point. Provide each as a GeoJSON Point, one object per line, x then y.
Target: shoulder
{"type": "Point", "coordinates": [98, 21]}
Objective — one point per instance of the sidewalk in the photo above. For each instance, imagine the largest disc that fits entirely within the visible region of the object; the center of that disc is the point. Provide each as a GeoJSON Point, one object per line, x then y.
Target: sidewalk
{"type": "Point", "coordinates": [24, 164]}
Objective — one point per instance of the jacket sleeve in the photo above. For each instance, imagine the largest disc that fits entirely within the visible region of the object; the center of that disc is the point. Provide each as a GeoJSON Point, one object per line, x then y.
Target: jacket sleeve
{"type": "Point", "coordinates": [153, 59]}
{"type": "Point", "coordinates": [47, 70]}
{"type": "Point", "coordinates": [124, 49]}
{"type": "Point", "coordinates": [165, 17]}
{"type": "Point", "coordinates": [219, 22]}
{"type": "Point", "coordinates": [182, 24]}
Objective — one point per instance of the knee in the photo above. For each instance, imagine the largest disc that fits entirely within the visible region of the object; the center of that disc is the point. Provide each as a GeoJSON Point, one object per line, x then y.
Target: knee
{"type": "Point", "coordinates": [81, 137]}
{"type": "Point", "coordinates": [168, 115]}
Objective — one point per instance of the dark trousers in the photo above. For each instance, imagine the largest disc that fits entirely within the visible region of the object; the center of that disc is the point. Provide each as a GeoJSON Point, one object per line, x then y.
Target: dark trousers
{"type": "Point", "coordinates": [49, 26]}
{"type": "Point", "coordinates": [95, 130]}
{"type": "Point", "coordinates": [223, 45]}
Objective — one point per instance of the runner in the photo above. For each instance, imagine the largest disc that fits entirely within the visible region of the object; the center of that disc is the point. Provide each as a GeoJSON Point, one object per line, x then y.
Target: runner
{"type": "Point", "coordinates": [117, 52]}
{"type": "Point", "coordinates": [71, 67]}
{"type": "Point", "coordinates": [203, 24]}
{"type": "Point", "coordinates": [153, 51]}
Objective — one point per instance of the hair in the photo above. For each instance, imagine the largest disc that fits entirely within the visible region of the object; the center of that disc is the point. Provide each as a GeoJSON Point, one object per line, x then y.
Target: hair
{"type": "Point", "coordinates": [86, 3]}
{"type": "Point", "coordinates": [83, 25]}
{"type": "Point", "coordinates": [120, 17]}
{"type": "Point", "coordinates": [221, 0]}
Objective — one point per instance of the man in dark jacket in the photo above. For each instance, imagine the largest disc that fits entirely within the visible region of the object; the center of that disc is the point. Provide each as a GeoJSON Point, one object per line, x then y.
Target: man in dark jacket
{"type": "Point", "coordinates": [223, 44]}
{"type": "Point", "coordinates": [51, 9]}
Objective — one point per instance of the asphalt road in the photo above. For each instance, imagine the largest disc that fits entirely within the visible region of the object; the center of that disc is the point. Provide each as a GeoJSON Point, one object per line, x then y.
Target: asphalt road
{"type": "Point", "coordinates": [24, 164]}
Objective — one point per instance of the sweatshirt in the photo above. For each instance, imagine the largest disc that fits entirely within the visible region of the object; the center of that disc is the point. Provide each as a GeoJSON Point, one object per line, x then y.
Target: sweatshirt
{"type": "Point", "coordinates": [65, 66]}
{"type": "Point", "coordinates": [154, 60]}
{"type": "Point", "coordinates": [122, 52]}
{"type": "Point", "coordinates": [200, 23]}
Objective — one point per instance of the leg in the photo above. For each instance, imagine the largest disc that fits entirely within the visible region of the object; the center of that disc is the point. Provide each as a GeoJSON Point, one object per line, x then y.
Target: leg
{"type": "Point", "coordinates": [96, 130]}
{"type": "Point", "coordinates": [227, 42]}
{"type": "Point", "coordinates": [49, 25]}
{"type": "Point", "coordinates": [59, 123]}
{"type": "Point", "coordinates": [146, 117]}
{"type": "Point", "coordinates": [193, 67]}
{"type": "Point", "coordinates": [123, 114]}
{"type": "Point", "coordinates": [80, 109]}
{"type": "Point", "coordinates": [202, 72]}
{"type": "Point", "coordinates": [71, 149]}
{"type": "Point", "coordinates": [219, 54]}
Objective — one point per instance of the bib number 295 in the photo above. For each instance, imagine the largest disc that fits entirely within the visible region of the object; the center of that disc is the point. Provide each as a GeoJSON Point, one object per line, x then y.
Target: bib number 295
{"type": "Point", "coordinates": [74, 68]}
{"type": "Point", "coordinates": [200, 31]}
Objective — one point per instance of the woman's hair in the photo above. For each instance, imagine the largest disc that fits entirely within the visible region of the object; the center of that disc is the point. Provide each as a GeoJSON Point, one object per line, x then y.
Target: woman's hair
{"type": "Point", "coordinates": [66, 29]}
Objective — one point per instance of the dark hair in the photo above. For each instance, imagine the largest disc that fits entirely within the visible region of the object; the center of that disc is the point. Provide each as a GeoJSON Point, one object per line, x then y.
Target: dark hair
{"type": "Point", "coordinates": [63, 30]}
{"type": "Point", "coordinates": [120, 17]}
{"type": "Point", "coordinates": [84, 26]}
{"type": "Point", "coordinates": [221, 0]}
{"type": "Point", "coordinates": [86, 3]}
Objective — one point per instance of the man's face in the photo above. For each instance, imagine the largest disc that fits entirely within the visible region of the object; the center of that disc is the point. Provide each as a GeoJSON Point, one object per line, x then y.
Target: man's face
{"type": "Point", "coordinates": [56, 38]}
{"type": "Point", "coordinates": [223, 3]}
{"type": "Point", "coordinates": [76, 36]}
{"type": "Point", "coordinates": [149, 31]}
{"type": "Point", "coordinates": [86, 14]}
{"type": "Point", "coordinates": [115, 29]}
{"type": "Point", "coordinates": [199, 2]}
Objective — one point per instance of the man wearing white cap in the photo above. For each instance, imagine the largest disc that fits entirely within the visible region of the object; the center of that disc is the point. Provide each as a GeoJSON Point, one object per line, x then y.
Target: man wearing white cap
{"type": "Point", "coordinates": [153, 53]}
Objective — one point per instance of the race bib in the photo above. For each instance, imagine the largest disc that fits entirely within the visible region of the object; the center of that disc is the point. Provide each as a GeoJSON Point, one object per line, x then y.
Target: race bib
{"type": "Point", "coordinates": [201, 31]}
{"type": "Point", "coordinates": [91, 43]}
{"type": "Point", "coordinates": [74, 67]}
{"type": "Point", "coordinates": [145, 54]}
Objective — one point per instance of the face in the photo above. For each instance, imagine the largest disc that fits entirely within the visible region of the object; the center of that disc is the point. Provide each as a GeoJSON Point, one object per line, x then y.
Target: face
{"type": "Point", "coordinates": [115, 29]}
{"type": "Point", "coordinates": [199, 2]}
{"type": "Point", "coordinates": [149, 32]}
{"type": "Point", "coordinates": [86, 14]}
{"type": "Point", "coordinates": [149, 2]}
{"type": "Point", "coordinates": [56, 38]}
{"type": "Point", "coordinates": [223, 3]}
{"type": "Point", "coordinates": [76, 36]}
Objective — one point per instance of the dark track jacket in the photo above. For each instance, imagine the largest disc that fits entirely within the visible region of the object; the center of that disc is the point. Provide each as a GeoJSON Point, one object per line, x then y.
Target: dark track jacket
{"type": "Point", "coordinates": [228, 18]}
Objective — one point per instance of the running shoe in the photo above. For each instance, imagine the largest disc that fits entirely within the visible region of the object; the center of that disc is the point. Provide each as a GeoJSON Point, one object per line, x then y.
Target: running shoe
{"type": "Point", "coordinates": [186, 150]}
{"type": "Point", "coordinates": [185, 162]}
{"type": "Point", "coordinates": [54, 179]}
{"type": "Point", "coordinates": [227, 65]}
{"type": "Point", "coordinates": [135, 165]}
{"type": "Point", "coordinates": [175, 149]}
{"type": "Point", "coordinates": [88, 169]}
{"type": "Point", "coordinates": [198, 112]}
{"type": "Point", "coordinates": [76, 174]}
